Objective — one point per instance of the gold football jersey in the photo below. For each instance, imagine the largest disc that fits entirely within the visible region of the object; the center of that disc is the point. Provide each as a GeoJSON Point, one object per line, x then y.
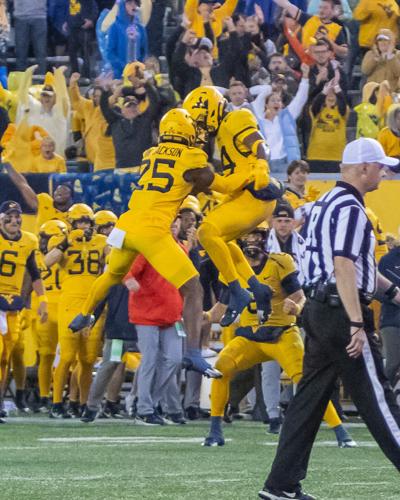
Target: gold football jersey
{"type": "Point", "coordinates": [277, 267]}
{"type": "Point", "coordinates": [236, 157]}
{"type": "Point", "coordinates": [14, 256]}
{"type": "Point", "coordinates": [47, 211]}
{"type": "Point", "coordinates": [162, 187]}
{"type": "Point", "coordinates": [83, 261]}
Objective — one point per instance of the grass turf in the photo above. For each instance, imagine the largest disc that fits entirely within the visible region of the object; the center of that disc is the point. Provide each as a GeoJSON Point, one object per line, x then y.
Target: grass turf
{"type": "Point", "coordinates": [44, 459]}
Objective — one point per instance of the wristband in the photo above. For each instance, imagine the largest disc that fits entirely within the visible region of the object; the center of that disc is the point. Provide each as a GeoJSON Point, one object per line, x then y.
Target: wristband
{"type": "Point", "coordinates": [391, 292]}
{"type": "Point", "coordinates": [299, 308]}
{"type": "Point", "coordinates": [357, 324]}
{"type": "Point", "coordinates": [43, 298]}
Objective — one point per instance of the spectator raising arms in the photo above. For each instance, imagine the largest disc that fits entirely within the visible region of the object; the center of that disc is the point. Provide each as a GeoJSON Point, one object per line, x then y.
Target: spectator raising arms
{"type": "Point", "coordinates": [374, 16]}
{"type": "Point", "coordinates": [51, 110]}
{"type": "Point", "coordinates": [328, 131]}
{"type": "Point", "coordinates": [319, 27]}
{"type": "Point", "coordinates": [206, 18]}
{"type": "Point", "coordinates": [130, 129]}
{"type": "Point", "coordinates": [382, 62]}
{"type": "Point", "coordinates": [99, 146]}
{"type": "Point", "coordinates": [278, 125]}
{"type": "Point", "coordinates": [127, 38]}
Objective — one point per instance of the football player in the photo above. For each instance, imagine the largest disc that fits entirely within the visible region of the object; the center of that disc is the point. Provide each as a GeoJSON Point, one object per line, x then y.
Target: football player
{"type": "Point", "coordinates": [80, 256]}
{"type": "Point", "coordinates": [278, 339]}
{"type": "Point", "coordinates": [170, 171]}
{"type": "Point", "coordinates": [18, 254]}
{"type": "Point", "coordinates": [104, 221]}
{"type": "Point", "coordinates": [252, 194]}
{"type": "Point", "coordinates": [47, 333]}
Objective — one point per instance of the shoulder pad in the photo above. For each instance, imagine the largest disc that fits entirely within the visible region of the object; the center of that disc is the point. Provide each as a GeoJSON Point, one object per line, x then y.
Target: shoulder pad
{"type": "Point", "coordinates": [281, 258]}
{"type": "Point", "coordinates": [242, 118]}
{"type": "Point", "coordinates": [30, 237]}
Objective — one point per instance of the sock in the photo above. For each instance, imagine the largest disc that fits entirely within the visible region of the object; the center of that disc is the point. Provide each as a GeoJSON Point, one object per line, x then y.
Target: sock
{"type": "Point", "coordinates": [216, 425]}
{"type": "Point", "coordinates": [234, 287]}
{"type": "Point", "coordinates": [341, 433]}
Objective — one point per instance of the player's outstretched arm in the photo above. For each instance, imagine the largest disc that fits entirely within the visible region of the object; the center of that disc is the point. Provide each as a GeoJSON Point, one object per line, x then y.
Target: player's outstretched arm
{"type": "Point", "coordinates": [23, 187]}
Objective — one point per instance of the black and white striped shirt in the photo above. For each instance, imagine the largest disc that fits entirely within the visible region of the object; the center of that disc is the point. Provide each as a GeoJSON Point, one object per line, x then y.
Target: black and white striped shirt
{"type": "Point", "coordinates": [337, 225]}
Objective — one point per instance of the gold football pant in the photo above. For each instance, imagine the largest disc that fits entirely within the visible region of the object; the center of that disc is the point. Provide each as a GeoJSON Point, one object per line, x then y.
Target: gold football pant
{"type": "Point", "coordinates": [47, 339]}
{"type": "Point", "coordinates": [241, 354]}
{"type": "Point", "coordinates": [157, 246]}
{"type": "Point", "coordinates": [85, 347]}
{"type": "Point", "coordinates": [225, 224]}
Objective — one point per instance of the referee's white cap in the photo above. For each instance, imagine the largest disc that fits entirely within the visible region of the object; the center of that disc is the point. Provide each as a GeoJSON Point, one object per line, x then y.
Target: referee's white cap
{"type": "Point", "coordinates": [366, 150]}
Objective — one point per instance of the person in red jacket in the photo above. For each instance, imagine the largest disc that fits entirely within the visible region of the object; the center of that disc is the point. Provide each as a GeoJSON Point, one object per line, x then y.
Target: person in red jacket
{"type": "Point", "coordinates": [155, 307]}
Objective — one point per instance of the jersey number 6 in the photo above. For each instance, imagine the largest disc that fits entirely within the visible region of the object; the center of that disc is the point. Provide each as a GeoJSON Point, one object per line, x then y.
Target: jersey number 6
{"type": "Point", "coordinates": [7, 267]}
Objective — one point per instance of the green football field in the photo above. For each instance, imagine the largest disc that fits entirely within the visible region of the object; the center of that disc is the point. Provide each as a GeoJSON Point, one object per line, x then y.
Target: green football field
{"type": "Point", "coordinates": [45, 459]}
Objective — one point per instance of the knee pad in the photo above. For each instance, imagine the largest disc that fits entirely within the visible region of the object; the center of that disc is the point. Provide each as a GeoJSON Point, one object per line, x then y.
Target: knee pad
{"type": "Point", "coordinates": [226, 365]}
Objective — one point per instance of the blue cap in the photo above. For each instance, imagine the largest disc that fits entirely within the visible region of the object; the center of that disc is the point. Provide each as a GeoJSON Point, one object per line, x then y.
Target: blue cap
{"type": "Point", "coordinates": [10, 206]}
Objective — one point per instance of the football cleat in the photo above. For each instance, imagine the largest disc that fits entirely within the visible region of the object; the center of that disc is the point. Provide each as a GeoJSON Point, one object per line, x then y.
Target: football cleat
{"type": "Point", "coordinates": [272, 494]}
{"type": "Point", "coordinates": [194, 361]}
{"type": "Point", "coordinates": [343, 437]}
{"type": "Point", "coordinates": [88, 415]}
{"type": "Point", "coordinates": [81, 322]}
{"type": "Point", "coordinates": [348, 443]}
{"type": "Point", "coordinates": [274, 425]}
{"type": "Point", "coordinates": [110, 410]}
{"type": "Point", "coordinates": [58, 411]}
{"type": "Point", "coordinates": [20, 402]}
{"type": "Point", "coordinates": [74, 409]}
{"type": "Point", "coordinates": [214, 440]}
{"type": "Point", "coordinates": [44, 405]}
{"type": "Point", "coordinates": [2, 421]}
{"type": "Point", "coordinates": [237, 302]}
{"type": "Point", "coordinates": [175, 418]}
{"type": "Point", "coordinates": [151, 419]}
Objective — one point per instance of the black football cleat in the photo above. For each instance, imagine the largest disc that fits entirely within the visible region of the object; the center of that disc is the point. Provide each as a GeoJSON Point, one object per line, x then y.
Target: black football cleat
{"type": "Point", "coordinates": [272, 494]}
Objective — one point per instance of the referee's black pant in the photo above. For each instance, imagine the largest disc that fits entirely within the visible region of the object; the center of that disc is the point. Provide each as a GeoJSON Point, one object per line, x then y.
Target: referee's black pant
{"type": "Point", "coordinates": [327, 335]}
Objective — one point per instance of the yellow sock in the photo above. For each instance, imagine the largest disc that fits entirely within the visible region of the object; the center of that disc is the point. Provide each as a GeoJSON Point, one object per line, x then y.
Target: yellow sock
{"type": "Point", "coordinates": [60, 378]}
{"type": "Point", "coordinates": [241, 263]}
{"type": "Point", "coordinates": [45, 372]}
{"type": "Point", "coordinates": [220, 386]}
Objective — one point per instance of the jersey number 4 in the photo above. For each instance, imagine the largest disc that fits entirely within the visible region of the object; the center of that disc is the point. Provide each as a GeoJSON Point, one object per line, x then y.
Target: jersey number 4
{"type": "Point", "coordinates": [228, 166]}
{"type": "Point", "coordinates": [7, 264]}
{"type": "Point", "coordinates": [163, 180]}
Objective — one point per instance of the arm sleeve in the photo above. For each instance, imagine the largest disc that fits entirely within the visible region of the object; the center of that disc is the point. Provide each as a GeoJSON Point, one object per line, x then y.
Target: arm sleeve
{"type": "Point", "coordinates": [352, 223]}
{"type": "Point", "coordinates": [32, 266]}
{"type": "Point", "coordinates": [138, 267]}
{"type": "Point", "coordinates": [191, 9]}
{"type": "Point", "coordinates": [259, 102]}
{"type": "Point", "coordinates": [227, 9]}
{"type": "Point", "coordinates": [154, 100]}
{"type": "Point", "coordinates": [290, 283]}
{"type": "Point", "coordinates": [341, 103]}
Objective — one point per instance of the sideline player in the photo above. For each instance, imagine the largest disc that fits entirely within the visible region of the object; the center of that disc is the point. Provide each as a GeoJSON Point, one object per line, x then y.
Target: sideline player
{"type": "Point", "coordinates": [47, 333]}
{"type": "Point", "coordinates": [18, 254]}
{"type": "Point", "coordinates": [278, 339]}
{"type": "Point", "coordinates": [252, 194]}
{"type": "Point", "coordinates": [170, 171]}
{"type": "Point", "coordinates": [81, 257]}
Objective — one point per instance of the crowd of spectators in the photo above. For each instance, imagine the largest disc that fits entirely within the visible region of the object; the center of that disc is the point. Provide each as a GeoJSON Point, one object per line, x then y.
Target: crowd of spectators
{"type": "Point", "coordinates": [94, 78]}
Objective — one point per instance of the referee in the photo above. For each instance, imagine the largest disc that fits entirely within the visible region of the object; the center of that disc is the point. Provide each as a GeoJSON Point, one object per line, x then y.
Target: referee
{"type": "Point", "coordinates": [341, 277]}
